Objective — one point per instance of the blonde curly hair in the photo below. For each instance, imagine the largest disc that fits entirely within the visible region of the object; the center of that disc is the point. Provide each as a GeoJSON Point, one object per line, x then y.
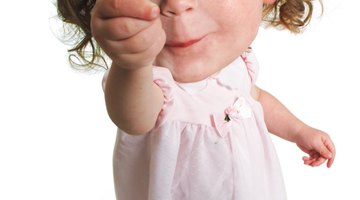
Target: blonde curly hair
{"type": "Point", "coordinates": [292, 15]}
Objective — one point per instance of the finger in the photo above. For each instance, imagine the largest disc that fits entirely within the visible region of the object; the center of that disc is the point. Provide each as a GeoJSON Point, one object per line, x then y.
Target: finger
{"type": "Point", "coordinates": [324, 151]}
{"type": "Point", "coordinates": [330, 162]}
{"type": "Point", "coordinates": [129, 59]}
{"type": "Point", "coordinates": [141, 9]}
{"type": "Point", "coordinates": [313, 156]}
{"type": "Point", "coordinates": [138, 43]}
{"type": "Point", "coordinates": [305, 158]}
{"type": "Point", "coordinates": [121, 28]}
{"type": "Point", "coordinates": [318, 162]}
{"type": "Point", "coordinates": [332, 148]}
{"type": "Point", "coordinates": [329, 145]}
{"type": "Point", "coordinates": [308, 160]}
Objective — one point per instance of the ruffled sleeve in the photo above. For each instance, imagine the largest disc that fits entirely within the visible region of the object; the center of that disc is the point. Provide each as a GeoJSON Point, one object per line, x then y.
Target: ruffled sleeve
{"type": "Point", "coordinates": [252, 65]}
{"type": "Point", "coordinates": [164, 79]}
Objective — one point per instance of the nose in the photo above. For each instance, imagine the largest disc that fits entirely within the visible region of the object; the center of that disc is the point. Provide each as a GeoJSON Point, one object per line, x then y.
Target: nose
{"type": "Point", "coordinates": [173, 8]}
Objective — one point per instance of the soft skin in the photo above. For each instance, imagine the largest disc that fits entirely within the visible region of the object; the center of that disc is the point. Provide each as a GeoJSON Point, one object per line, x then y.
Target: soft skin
{"type": "Point", "coordinates": [227, 28]}
{"type": "Point", "coordinates": [168, 33]}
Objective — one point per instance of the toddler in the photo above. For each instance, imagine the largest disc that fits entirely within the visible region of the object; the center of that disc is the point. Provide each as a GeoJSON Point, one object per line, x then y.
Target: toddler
{"type": "Point", "coordinates": [192, 124]}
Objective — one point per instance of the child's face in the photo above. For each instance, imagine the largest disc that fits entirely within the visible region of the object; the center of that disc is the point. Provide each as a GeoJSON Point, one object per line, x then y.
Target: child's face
{"type": "Point", "coordinates": [203, 36]}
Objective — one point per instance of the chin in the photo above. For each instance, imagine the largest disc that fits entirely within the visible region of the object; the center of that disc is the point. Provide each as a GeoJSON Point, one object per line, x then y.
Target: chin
{"type": "Point", "coordinates": [192, 72]}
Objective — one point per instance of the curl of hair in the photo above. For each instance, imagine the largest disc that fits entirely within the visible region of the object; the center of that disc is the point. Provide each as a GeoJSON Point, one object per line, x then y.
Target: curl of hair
{"type": "Point", "coordinates": [85, 53]}
{"type": "Point", "coordinates": [293, 15]}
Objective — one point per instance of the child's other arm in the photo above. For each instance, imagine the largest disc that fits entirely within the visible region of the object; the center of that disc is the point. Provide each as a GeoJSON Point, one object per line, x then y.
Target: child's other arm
{"type": "Point", "coordinates": [130, 33]}
{"type": "Point", "coordinates": [281, 122]}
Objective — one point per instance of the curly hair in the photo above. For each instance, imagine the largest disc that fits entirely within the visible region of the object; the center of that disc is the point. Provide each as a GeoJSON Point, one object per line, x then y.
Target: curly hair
{"type": "Point", "coordinates": [292, 15]}
{"type": "Point", "coordinates": [85, 53]}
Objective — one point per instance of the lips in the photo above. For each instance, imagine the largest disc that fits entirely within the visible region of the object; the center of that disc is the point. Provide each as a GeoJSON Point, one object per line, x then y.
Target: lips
{"type": "Point", "coordinates": [183, 44]}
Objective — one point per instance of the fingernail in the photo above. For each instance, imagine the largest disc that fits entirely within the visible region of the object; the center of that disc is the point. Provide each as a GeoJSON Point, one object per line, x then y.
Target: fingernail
{"type": "Point", "coordinates": [155, 12]}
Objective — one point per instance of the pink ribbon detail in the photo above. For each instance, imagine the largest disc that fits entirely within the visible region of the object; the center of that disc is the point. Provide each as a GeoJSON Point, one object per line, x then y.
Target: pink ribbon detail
{"type": "Point", "coordinates": [239, 110]}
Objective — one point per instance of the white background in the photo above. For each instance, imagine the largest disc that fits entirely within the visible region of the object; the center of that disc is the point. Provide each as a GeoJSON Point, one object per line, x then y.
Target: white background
{"type": "Point", "coordinates": [56, 139]}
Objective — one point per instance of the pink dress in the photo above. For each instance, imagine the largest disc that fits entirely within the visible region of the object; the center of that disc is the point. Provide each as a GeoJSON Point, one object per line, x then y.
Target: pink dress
{"type": "Point", "coordinates": [210, 143]}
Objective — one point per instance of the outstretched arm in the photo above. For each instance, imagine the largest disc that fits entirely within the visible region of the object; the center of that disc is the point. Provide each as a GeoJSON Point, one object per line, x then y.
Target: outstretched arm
{"type": "Point", "coordinates": [125, 30]}
{"type": "Point", "coordinates": [281, 122]}
{"type": "Point", "coordinates": [132, 99]}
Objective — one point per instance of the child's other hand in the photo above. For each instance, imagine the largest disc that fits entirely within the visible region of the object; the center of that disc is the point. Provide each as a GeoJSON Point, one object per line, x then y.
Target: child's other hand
{"type": "Point", "coordinates": [317, 145]}
{"type": "Point", "coordinates": [129, 31]}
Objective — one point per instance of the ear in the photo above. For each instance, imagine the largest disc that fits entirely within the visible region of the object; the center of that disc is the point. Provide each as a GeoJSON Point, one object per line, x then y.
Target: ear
{"type": "Point", "coordinates": [268, 2]}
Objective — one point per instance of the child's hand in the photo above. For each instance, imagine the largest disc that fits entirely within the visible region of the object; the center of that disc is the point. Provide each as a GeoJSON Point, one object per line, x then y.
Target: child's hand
{"type": "Point", "coordinates": [318, 145]}
{"type": "Point", "coordinates": [129, 31]}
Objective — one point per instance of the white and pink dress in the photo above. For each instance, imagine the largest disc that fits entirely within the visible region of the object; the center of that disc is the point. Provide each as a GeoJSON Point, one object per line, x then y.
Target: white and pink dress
{"type": "Point", "coordinates": [210, 143]}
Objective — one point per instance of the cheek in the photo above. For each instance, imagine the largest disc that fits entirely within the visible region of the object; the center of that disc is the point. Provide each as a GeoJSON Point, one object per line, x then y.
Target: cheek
{"type": "Point", "coordinates": [241, 14]}
{"type": "Point", "coordinates": [240, 26]}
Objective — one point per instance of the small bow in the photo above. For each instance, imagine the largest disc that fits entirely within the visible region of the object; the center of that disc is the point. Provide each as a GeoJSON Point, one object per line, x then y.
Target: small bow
{"type": "Point", "coordinates": [239, 110]}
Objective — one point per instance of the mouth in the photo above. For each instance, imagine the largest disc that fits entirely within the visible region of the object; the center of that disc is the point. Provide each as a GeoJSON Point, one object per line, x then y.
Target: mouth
{"type": "Point", "coordinates": [183, 44]}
